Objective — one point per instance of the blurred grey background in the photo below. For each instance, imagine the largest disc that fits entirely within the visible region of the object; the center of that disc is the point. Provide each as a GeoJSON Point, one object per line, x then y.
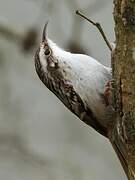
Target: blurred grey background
{"type": "Point", "coordinates": [39, 138]}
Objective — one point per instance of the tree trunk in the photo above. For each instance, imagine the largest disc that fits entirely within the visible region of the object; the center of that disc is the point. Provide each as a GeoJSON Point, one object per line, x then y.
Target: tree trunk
{"type": "Point", "coordinates": [122, 134]}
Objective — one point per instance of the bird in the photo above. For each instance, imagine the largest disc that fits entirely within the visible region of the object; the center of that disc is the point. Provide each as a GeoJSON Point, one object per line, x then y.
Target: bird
{"type": "Point", "coordinates": [79, 81]}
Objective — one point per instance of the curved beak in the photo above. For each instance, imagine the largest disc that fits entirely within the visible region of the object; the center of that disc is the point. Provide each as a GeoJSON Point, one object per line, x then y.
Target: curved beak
{"type": "Point", "coordinates": [44, 35]}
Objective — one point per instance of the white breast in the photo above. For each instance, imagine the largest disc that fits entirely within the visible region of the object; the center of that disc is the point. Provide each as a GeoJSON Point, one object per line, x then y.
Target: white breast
{"type": "Point", "coordinates": [88, 78]}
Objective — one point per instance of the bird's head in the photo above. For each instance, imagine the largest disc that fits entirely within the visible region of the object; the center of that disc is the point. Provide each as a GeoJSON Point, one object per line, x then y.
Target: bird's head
{"type": "Point", "coordinates": [46, 52]}
{"type": "Point", "coordinates": [50, 62]}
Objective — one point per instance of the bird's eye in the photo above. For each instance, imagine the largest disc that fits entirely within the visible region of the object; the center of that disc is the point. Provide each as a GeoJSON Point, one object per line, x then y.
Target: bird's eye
{"type": "Point", "coordinates": [47, 51]}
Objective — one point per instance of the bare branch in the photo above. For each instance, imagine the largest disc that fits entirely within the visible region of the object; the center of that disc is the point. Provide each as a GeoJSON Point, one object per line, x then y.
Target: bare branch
{"type": "Point", "coordinates": [98, 27]}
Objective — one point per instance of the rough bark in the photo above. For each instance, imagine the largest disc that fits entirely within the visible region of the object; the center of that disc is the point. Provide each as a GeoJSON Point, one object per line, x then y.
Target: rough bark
{"type": "Point", "coordinates": [122, 134]}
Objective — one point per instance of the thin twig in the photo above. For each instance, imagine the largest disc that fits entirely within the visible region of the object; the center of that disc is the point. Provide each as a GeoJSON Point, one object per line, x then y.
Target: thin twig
{"type": "Point", "coordinates": [98, 27]}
